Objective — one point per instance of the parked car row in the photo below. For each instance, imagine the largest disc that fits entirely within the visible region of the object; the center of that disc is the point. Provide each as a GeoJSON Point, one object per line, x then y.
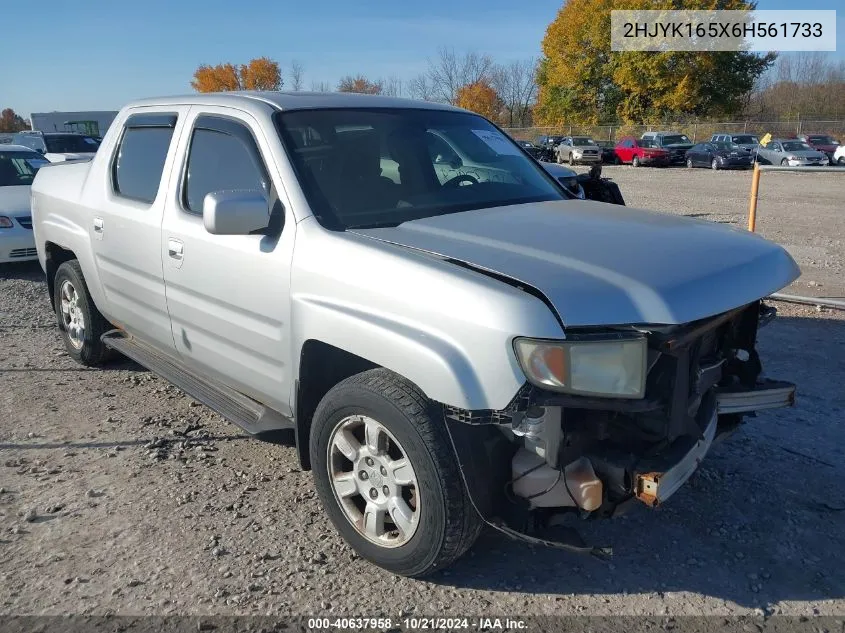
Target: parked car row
{"type": "Point", "coordinates": [662, 148]}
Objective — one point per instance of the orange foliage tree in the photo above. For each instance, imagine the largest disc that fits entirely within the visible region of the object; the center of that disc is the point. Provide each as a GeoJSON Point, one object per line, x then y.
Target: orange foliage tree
{"type": "Point", "coordinates": [480, 97]}
{"type": "Point", "coordinates": [360, 84]}
{"type": "Point", "coordinates": [259, 74]}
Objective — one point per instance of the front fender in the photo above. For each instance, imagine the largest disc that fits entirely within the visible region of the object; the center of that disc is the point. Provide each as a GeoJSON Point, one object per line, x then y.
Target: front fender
{"type": "Point", "coordinates": [439, 366]}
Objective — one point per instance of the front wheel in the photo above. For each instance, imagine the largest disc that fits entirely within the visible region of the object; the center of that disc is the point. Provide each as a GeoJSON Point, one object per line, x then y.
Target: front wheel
{"type": "Point", "coordinates": [387, 476]}
{"type": "Point", "coordinates": [80, 323]}
{"type": "Point", "coordinates": [636, 161]}
{"type": "Point", "coordinates": [784, 163]}
{"type": "Point", "coordinates": [841, 161]}
{"type": "Point", "coordinates": [715, 165]}
{"type": "Point", "coordinates": [689, 163]}
{"type": "Point", "coordinates": [572, 160]}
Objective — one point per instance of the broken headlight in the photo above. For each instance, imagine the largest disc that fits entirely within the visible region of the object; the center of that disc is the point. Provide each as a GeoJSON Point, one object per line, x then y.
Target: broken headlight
{"type": "Point", "coordinates": [609, 367]}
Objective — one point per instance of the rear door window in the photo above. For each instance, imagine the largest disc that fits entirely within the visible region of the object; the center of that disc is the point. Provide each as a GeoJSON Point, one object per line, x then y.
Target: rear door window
{"type": "Point", "coordinates": [139, 162]}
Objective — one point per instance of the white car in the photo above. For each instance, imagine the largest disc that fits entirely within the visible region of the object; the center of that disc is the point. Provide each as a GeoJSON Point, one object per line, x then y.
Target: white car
{"type": "Point", "coordinates": [839, 156]}
{"type": "Point", "coordinates": [58, 147]}
{"type": "Point", "coordinates": [18, 165]}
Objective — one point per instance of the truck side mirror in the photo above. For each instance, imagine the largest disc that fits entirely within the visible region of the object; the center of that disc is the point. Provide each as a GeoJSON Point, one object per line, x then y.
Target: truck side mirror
{"type": "Point", "coordinates": [235, 212]}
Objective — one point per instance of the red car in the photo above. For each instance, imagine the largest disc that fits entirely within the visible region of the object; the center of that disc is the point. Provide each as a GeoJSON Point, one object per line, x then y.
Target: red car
{"type": "Point", "coordinates": [821, 142]}
{"type": "Point", "coordinates": [639, 151]}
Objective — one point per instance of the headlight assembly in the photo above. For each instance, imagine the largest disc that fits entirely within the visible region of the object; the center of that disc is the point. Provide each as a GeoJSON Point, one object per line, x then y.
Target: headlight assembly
{"type": "Point", "coordinates": [609, 367]}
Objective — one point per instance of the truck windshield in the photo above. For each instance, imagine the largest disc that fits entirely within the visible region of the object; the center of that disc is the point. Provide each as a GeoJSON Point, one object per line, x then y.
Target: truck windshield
{"type": "Point", "coordinates": [746, 139]}
{"type": "Point", "coordinates": [381, 167]}
{"type": "Point", "coordinates": [18, 168]}
{"type": "Point", "coordinates": [676, 139]}
{"type": "Point", "coordinates": [70, 144]}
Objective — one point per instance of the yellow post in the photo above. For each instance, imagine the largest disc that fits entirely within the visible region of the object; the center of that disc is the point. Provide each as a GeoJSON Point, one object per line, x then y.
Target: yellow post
{"type": "Point", "coordinates": [752, 205]}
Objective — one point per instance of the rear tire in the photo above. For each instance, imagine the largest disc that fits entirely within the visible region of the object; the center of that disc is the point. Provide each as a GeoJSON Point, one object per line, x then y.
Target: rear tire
{"type": "Point", "coordinates": [444, 522]}
{"type": "Point", "coordinates": [80, 322]}
{"type": "Point", "coordinates": [841, 161]}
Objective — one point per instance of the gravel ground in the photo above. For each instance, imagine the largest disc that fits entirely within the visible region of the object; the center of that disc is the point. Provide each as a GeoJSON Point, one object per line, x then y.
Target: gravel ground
{"type": "Point", "coordinates": [119, 494]}
{"type": "Point", "coordinates": [801, 211]}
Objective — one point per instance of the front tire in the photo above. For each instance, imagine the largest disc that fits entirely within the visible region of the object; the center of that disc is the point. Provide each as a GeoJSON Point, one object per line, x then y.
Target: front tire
{"type": "Point", "coordinates": [80, 322]}
{"type": "Point", "coordinates": [689, 163]}
{"type": "Point", "coordinates": [715, 164]}
{"type": "Point", "coordinates": [571, 160]}
{"type": "Point", "coordinates": [386, 473]}
{"type": "Point", "coordinates": [784, 163]}
{"type": "Point", "coordinates": [635, 162]}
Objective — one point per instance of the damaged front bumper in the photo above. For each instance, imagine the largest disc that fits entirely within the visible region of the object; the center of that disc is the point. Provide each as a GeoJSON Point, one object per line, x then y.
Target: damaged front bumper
{"type": "Point", "coordinates": [596, 456]}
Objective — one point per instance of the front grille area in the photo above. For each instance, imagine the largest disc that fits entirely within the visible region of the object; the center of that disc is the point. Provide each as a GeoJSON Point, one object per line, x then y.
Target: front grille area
{"type": "Point", "coordinates": [25, 221]}
{"type": "Point", "coordinates": [22, 252]}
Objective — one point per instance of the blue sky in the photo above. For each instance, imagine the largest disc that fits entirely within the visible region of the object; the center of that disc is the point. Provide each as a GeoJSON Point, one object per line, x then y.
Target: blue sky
{"type": "Point", "coordinates": [99, 54]}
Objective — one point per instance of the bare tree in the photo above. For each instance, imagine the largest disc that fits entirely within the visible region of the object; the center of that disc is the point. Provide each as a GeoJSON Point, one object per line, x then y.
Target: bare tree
{"type": "Point", "coordinates": [420, 88]}
{"type": "Point", "coordinates": [516, 85]}
{"type": "Point", "coordinates": [392, 86]}
{"type": "Point", "coordinates": [297, 70]}
{"type": "Point", "coordinates": [805, 85]}
{"type": "Point", "coordinates": [449, 72]}
{"type": "Point", "coordinates": [320, 86]}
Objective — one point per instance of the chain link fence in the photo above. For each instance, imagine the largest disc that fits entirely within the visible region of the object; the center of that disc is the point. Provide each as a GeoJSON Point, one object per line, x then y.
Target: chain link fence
{"type": "Point", "coordinates": [697, 131]}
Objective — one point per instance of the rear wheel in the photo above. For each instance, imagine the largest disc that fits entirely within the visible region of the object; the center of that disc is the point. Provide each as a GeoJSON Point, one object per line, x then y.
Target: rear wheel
{"type": "Point", "coordinates": [841, 160]}
{"type": "Point", "coordinates": [636, 161]}
{"type": "Point", "coordinates": [80, 323]}
{"type": "Point", "coordinates": [387, 476]}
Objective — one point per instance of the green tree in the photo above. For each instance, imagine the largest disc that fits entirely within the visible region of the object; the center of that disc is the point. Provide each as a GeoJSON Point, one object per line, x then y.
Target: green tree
{"type": "Point", "coordinates": [582, 81]}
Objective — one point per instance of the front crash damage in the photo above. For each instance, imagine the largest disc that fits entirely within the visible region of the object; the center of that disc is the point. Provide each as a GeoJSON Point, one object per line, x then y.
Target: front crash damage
{"type": "Point", "coordinates": [549, 454]}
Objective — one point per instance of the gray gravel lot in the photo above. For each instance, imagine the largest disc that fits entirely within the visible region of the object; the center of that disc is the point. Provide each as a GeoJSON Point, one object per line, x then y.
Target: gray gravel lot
{"type": "Point", "coordinates": [118, 494]}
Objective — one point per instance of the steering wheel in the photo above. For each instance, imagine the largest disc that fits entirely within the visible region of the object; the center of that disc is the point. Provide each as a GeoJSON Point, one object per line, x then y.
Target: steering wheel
{"type": "Point", "coordinates": [457, 180]}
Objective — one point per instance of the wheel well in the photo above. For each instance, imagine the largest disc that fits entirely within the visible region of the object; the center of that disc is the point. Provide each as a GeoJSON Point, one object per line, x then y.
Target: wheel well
{"type": "Point", "coordinates": [56, 256]}
{"type": "Point", "coordinates": [321, 367]}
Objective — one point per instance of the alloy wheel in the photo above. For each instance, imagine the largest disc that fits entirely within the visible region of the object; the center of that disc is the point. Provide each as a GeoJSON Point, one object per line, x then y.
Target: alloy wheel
{"type": "Point", "coordinates": [373, 481]}
{"type": "Point", "coordinates": [72, 316]}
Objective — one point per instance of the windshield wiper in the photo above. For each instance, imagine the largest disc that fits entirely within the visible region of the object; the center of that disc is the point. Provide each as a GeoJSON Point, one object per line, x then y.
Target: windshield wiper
{"type": "Point", "coordinates": [374, 225]}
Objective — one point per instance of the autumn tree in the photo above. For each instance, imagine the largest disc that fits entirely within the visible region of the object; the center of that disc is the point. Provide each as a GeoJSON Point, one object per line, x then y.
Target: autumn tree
{"type": "Point", "coordinates": [582, 81]}
{"type": "Point", "coordinates": [261, 73]}
{"type": "Point", "coordinates": [10, 121]}
{"type": "Point", "coordinates": [480, 97]}
{"type": "Point", "coordinates": [360, 84]}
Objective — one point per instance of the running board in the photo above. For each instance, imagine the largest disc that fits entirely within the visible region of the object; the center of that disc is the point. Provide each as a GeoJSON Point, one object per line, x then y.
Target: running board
{"type": "Point", "coordinates": [252, 416]}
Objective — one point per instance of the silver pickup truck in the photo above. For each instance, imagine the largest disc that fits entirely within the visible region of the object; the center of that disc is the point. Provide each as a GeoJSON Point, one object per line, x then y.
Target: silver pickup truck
{"type": "Point", "coordinates": [453, 342]}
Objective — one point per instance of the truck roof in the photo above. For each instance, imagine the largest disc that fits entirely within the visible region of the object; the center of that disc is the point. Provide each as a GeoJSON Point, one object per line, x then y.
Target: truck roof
{"type": "Point", "coordinates": [294, 100]}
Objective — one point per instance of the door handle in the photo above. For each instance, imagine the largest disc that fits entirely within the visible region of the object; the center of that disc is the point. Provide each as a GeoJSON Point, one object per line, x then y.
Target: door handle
{"type": "Point", "coordinates": [98, 228]}
{"type": "Point", "coordinates": [175, 249]}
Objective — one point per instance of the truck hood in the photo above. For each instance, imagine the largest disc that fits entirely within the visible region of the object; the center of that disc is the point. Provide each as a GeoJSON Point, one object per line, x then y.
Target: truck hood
{"type": "Point", "coordinates": [15, 200]}
{"type": "Point", "coordinates": [602, 264]}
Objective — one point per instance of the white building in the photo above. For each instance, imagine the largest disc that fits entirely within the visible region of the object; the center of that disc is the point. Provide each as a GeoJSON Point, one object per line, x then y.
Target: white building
{"type": "Point", "coordinates": [95, 122]}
